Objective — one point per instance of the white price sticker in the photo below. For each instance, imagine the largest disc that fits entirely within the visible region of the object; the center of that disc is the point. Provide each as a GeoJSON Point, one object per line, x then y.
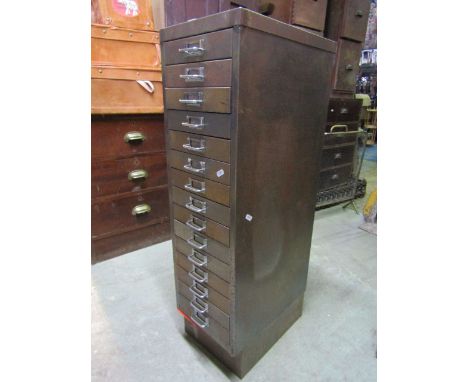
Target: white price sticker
{"type": "Point", "coordinates": [248, 217]}
{"type": "Point", "coordinates": [220, 173]}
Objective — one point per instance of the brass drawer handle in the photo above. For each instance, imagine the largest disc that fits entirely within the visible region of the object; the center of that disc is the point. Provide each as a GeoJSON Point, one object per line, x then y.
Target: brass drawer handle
{"type": "Point", "coordinates": [137, 175]}
{"type": "Point", "coordinates": [192, 224]}
{"type": "Point", "coordinates": [141, 209]}
{"type": "Point", "coordinates": [359, 13]}
{"type": "Point", "coordinates": [193, 49]}
{"type": "Point", "coordinates": [345, 127]}
{"type": "Point", "coordinates": [349, 67]}
{"type": "Point", "coordinates": [190, 186]}
{"type": "Point", "coordinates": [198, 275]}
{"type": "Point", "coordinates": [192, 206]}
{"type": "Point", "coordinates": [198, 290]}
{"type": "Point", "coordinates": [191, 124]}
{"type": "Point", "coordinates": [199, 305]}
{"type": "Point", "coordinates": [134, 137]}
{"type": "Point", "coordinates": [192, 99]}
{"type": "Point", "coordinates": [189, 166]}
{"type": "Point", "coordinates": [200, 145]}
{"type": "Point", "coordinates": [201, 321]}
{"type": "Point", "coordinates": [338, 156]}
{"type": "Point", "coordinates": [193, 74]}
{"type": "Point", "coordinates": [195, 256]}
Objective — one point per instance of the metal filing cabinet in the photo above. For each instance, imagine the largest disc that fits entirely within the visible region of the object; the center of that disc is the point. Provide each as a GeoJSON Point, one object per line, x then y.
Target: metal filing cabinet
{"type": "Point", "coordinates": [245, 104]}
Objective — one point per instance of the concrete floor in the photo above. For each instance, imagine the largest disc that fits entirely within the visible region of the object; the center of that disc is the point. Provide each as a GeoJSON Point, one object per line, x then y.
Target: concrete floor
{"type": "Point", "coordinates": [138, 336]}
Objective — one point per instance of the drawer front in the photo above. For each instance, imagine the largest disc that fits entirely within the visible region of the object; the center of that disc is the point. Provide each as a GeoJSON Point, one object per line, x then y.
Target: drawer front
{"type": "Point", "coordinates": [212, 190]}
{"type": "Point", "coordinates": [122, 96]}
{"type": "Point", "coordinates": [117, 176]}
{"type": "Point", "coordinates": [214, 148]}
{"type": "Point", "coordinates": [214, 100]}
{"type": "Point", "coordinates": [204, 47]}
{"type": "Point", "coordinates": [124, 214]}
{"type": "Point", "coordinates": [212, 124]}
{"type": "Point", "coordinates": [204, 167]}
{"type": "Point", "coordinates": [206, 226]}
{"type": "Point", "coordinates": [122, 137]}
{"type": "Point", "coordinates": [337, 156]}
{"type": "Point", "coordinates": [347, 65]}
{"type": "Point", "coordinates": [342, 110]}
{"type": "Point", "coordinates": [202, 206]}
{"type": "Point", "coordinates": [204, 305]}
{"type": "Point", "coordinates": [355, 20]}
{"type": "Point", "coordinates": [212, 295]}
{"type": "Point", "coordinates": [214, 265]}
{"type": "Point", "coordinates": [309, 13]}
{"type": "Point", "coordinates": [200, 273]}
{"type": "Point", "coordinates": [204, 322]}
{"type": "Point", "coordinates": [335, 177]}
{"type": "Point", "coordinates": [210, 73]}
{"type": "Point", "coordinates": [201, 242]}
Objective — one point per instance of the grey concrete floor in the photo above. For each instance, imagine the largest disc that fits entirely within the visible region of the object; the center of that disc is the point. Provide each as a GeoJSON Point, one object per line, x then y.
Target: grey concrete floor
{"type": "Point", "coordinates": [138, 336]}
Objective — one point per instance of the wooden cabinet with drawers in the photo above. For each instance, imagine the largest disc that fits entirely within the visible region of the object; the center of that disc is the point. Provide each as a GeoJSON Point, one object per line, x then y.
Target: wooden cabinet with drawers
{"type": "Point", "coordinates": [242, 144]}
{"type": "Point", "coordinates": [129, 187]}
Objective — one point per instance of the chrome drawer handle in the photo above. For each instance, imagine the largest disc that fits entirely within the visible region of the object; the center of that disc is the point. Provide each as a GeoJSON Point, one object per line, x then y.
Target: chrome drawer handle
{"type": "Point", "coordinates": [137, 175]}
{"type": "Point", "coordinates": [198, 290]}
{"type": "Point", "coordinates": [189, 166]}
{"type": "Point", "coordinates": [191, 123]}
{"type": "Point", "coordinates": [349, 67]}
{"type": "Point", "coordinates": [196, 227]}
{"type": "Point", "coordinates": [335, 176]}
{"type": "Point", "coordinates": [195, 256]}
{"type": "Point", "coordinates": [359, 13]}
{"type": "Point", "coordinates": [141, 209]}
{"type": "Point", "coordinates": [345, 127]}
{"type": "Point", "coordinates": [193, 74]}
{"type": "Point", "coordinates": [193, 243]}
{"type": "Point", "coordinates": [199, 305]}
{"type": "Point", "coordinates": [189, 146]}
{"type": "Point", "coordinates": [338, 156]}
{"type": "Point", "coordinates": [190, 187]}
{"type": "Point", "coordinates": [193, 49]}
{"type": "Point", "coordinates": [195, 275]}
{"type": "Point", "coordinates": [192, 207]}
{"type": "Point", "coordinates": [201, 322]}
{"type": "Point", "coordinates": [193, 99]}
{"type": "Point", "coordinates": [134, 137]}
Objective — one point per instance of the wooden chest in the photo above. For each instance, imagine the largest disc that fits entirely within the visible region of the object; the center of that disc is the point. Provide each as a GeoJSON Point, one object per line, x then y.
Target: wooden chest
{"type": "Point", "coordinates": [243, 163]}
{"type": "Point", "coordinates": [129, 205]}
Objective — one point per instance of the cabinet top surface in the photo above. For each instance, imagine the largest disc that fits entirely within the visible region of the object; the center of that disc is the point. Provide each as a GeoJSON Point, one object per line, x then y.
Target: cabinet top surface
{"type": "Point", "coordinates": [249, 19]}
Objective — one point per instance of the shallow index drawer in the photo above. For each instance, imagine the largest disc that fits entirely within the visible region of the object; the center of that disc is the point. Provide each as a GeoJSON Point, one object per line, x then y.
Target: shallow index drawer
{"type": "Point", "coordinates": [214, 100]}
{"type": "Point", "coordinates": [214, 148]}
{"type": "Point", "coordinates": [213, 124]}
{"type": "Point", "coordinates": [211, 73]}
{"type": "Point", "coordinates": [204, 47]}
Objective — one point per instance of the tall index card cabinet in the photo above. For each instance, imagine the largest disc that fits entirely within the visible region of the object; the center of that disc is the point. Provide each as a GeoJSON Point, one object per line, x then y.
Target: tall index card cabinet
{"type": "Point", "coordinates": [245, 104]}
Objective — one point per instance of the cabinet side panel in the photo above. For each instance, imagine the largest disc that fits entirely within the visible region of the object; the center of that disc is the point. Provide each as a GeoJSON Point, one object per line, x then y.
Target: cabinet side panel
{"type": "Point", "coordinates": [283, 96]}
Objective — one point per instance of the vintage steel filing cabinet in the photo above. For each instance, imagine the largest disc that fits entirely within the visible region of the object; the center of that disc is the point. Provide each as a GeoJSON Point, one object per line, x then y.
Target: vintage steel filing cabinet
{"type": "Point", "coordinates": [245, 107]}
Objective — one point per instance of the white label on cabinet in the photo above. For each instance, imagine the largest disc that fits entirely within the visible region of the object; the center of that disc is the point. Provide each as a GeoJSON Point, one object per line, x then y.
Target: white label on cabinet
{"type": "Point", "coordinates": [220, 173]}
{"type": "Point", "coordinates": [248, 217]}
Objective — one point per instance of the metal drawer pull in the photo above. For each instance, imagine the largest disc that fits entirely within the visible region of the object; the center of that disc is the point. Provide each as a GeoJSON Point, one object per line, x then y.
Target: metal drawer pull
{"type": "Point", "coordinates": [195, 256]}
{"type": "Point", "coordinates": [192, 206]}
{"type": "Point", "coordinates": [198, 290]}
{"type": "Point", "coordinates": [201, 322]}
{"type": "Point", "coordinates": [141, 209]}
{"type": "Point", "coordinates": [193, 49]}
{"type": "Point", "coordinates": [199, 305]}
{"type": "Point", "coordinates": [349, 67]}
{"type": "Point", "coordinates": [133, 137]}
{"type": "Point", "coordinates": [191, 124]}
{"type": "Point", "coordinates": [147, 85]}
{"type": "Point", "coordinates": [359, 13]}
{"type": "Point", "coordinates": [189, 166]}
{"type": "Point", "coordinates": [193, 74]}
{"type": "Point", "coordinates": [192, 99]}
{"type": "Point", "coordinates": [137, 175]}
{"type": "Point", "coordinates": [191, 223]}
{"type": "Point", "coordinates": [345, 127]}
{"type": "Point", "coordinates": [338, 156]}
{"type": "Point", "coordinates": [190, 186]}
{"type": "Point", "coordinates": [189, 146]}
{"type": "Point", "coordinates": [195, 275]}
{"type": "Point", "coordinates": [196, 244]}
{"type": "Point", "coordinates": [335, 176]}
